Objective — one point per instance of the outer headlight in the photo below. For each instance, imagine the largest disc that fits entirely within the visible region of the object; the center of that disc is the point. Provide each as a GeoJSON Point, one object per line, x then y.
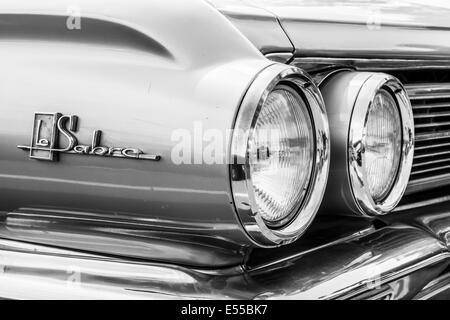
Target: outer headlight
{"type": "Point", "coordinates": [372, 134]}
{"type": "Point", "coordinates": [279, 155]}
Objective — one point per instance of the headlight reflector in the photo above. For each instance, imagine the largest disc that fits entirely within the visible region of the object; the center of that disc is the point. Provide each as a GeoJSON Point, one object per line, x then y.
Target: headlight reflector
{"type": "Point", "coordinates": [382, 144]}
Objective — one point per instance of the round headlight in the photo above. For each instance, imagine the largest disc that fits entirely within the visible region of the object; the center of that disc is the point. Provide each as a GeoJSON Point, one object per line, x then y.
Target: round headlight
{"type": "Point", "coordinates": [279, 153]}
{"type": "Point", "coordinates": [381, 141]}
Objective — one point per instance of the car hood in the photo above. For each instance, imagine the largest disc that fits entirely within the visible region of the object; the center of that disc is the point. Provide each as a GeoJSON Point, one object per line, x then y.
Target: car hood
{"type": "Point", "coordinates": [411, 29]}
{"type": "Point", "coordinates": [415, 13]}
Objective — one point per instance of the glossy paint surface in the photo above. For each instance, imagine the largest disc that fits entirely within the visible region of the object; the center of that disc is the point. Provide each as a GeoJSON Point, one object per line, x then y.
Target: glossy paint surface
{"type": "Point", "coordinates": [138, 71]}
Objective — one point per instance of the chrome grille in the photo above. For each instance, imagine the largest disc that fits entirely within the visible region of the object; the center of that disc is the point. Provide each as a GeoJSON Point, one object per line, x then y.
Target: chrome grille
{"type": "Point", "coordinates": [431, 109]}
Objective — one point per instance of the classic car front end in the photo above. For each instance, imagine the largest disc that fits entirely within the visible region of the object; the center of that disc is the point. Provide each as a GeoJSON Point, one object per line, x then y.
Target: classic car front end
{"type": "Point", "coordinates": [224, 149]}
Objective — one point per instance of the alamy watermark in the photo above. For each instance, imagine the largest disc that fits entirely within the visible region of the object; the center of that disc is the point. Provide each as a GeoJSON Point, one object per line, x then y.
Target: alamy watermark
{"type": "Point", "coordinates": [73, 21]}
{"type": "Point", "coordinates": [210, 146]}
{"type": "Point", "coordinates": [73, 276]}
{"type": "Point", "coordinates": [374, 20]}
{"type": "Point", "coordinates": [374, 278]}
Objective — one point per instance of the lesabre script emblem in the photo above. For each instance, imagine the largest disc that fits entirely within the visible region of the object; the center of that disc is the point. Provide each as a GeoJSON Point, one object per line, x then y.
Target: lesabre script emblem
{"type": "Point", "coordinates": [46, 132]}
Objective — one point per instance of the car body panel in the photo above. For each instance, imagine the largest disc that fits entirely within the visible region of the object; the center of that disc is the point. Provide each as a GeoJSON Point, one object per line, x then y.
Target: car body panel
{"type": "Point", "coordinates": [120, 84]}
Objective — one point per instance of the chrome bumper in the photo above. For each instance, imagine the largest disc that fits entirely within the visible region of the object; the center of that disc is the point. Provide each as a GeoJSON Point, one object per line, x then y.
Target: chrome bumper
{"type": "Point", "coordinates": [393, 262]}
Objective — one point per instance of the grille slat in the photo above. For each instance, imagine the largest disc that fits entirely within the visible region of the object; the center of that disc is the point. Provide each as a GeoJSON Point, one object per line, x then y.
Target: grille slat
{"type": "Point", "coordinates": [431, 106]}
{"type": "Point", "coordinates": [431, 154]}
{"type": "Point", "coordinates": [433, 144]}
{"type": "Point", "coordinates": [431, 125]}
{"type": "Point", "coordinates": [431, 110]}
{"type": "Point", "coordinates": [434, 163]}
{"type": "Point", "coordinates": [432, 115]}
{"type": "Point", "coordinates": [430, 162]}
{"type": "Point", "coordinates": [432, 136]}
{"type": "Point", "coordinates": [435, 96]}
{"type": "Point", "coordinates": [418, 172]}
{"type": "Point", "coordinates": [428, 91]}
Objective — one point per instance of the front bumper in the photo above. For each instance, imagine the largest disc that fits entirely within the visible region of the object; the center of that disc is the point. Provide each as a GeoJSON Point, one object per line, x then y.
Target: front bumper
{"type": "Point", "coordinates": [402, 259]}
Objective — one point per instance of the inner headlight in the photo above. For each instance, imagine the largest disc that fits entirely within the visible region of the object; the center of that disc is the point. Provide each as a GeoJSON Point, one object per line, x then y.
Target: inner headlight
{"type": "Point", "coordinates": [279, 155]}
{"type": "Point", "coordinates": [372, 141]}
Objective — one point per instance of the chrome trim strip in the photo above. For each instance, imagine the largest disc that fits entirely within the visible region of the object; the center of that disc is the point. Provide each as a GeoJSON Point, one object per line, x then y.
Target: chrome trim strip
{"type": "Point", "coordinates": [315, 63]}
{"type": "Point", "coordinates": [428, 91]}
{"type": "Point", "coordinates": [281, 57]}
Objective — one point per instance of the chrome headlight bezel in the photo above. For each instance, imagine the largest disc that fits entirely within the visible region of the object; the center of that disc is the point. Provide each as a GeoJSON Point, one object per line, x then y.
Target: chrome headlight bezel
{"type": "Point", "coordinates": [241, 184]}
{"type": "Point", "coordinates": [369, 89]}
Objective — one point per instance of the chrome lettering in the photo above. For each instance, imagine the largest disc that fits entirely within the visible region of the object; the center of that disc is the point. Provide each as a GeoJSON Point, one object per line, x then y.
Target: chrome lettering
{"type": "Point", "coordinates": [67, 126]}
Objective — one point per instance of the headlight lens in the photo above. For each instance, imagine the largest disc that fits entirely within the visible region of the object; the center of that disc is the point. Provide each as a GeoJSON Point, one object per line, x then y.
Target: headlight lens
{"type": "Point", "coordinates": [382, 144]}
{"type": "Point", "coordinates": [281, 155]}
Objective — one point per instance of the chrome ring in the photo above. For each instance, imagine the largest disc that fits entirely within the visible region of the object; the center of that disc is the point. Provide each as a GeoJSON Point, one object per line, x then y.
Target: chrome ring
{"type": "Point", "coordinates": [240, 177]}
{"type": "Point", "coordinates": [367, 92]}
